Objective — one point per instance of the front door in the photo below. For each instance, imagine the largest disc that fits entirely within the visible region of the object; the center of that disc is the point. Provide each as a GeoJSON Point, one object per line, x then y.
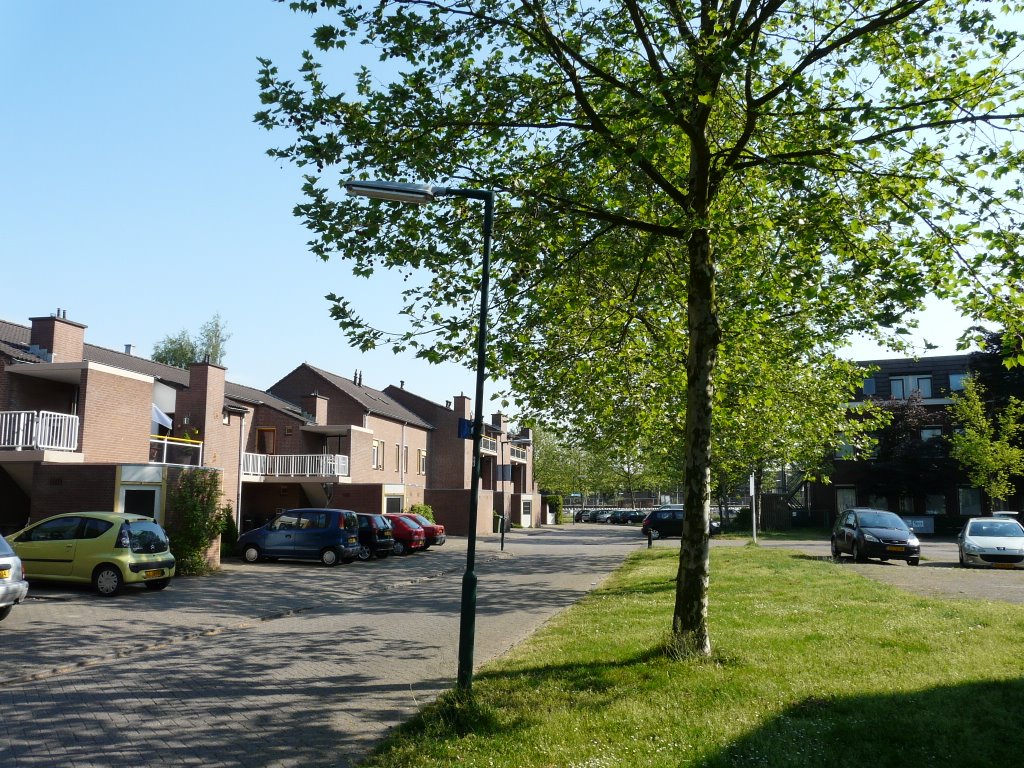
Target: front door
{"type": "Point", "coordinates": [393, 505]}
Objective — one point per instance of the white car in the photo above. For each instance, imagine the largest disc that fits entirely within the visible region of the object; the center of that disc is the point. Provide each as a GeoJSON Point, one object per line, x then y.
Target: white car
{"type": "Point", "coordinates": [13, 587]}
{"type": "Point", "coordinates": [993, 542]}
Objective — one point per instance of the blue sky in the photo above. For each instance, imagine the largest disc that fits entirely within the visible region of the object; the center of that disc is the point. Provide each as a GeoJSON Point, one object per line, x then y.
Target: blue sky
{"type": "Point", "coordinates": [137, 195]}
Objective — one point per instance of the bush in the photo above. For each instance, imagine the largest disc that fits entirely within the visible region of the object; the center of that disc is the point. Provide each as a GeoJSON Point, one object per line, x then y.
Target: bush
{"type": "Point", "coordinates": [742, 520]}
{"type": "Point", "coordinates": [197, 521]}
{"type": "Point", "coordinates": [555, 505]}
{"type": "Point", "coordinates": [423, 509]}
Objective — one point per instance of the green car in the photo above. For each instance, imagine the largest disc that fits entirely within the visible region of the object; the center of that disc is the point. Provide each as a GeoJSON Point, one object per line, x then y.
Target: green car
{"type": "Point", "coordinates": [105, 549]}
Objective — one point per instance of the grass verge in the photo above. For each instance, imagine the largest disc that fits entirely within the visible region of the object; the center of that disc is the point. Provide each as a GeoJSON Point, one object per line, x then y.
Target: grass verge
{"type": "Point", "coordinates": [813, 666]}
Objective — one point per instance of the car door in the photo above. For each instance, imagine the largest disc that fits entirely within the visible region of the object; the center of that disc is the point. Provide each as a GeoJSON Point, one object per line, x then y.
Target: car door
{"type": "Point", "coordinates": [280, 538]}
{"type": "Point", "coordinates": [311, 534]}
{"type": "Point", "coordinates": [48, 549]}
{"type": "Point", "coordinates": [848, 531]}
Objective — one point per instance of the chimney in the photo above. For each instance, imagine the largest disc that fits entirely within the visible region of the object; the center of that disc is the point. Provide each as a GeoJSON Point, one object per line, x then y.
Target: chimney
{"type": "Point", "coordinates": [500, 421]}
{"type": "Point", "coordinates": [56, 339]}
{"type": "Point", "coordinates": [462, 407]}
{"type": "Point", "coordinates": [129, 349]}
{"type": "Point", "coordinates": [315, 405]}
{"type": "Point", "coordinates": [401, 384]}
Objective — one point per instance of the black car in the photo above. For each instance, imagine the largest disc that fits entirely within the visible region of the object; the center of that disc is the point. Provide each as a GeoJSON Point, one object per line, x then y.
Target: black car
{"type": "Point", "coordinates": [667, 520]}
{"type": "Point", "coordinates": [327, 535]}
{"type": "Point", "coordinates": [864, 532]}
{"type": "Point", "coordinates": [376, 538]}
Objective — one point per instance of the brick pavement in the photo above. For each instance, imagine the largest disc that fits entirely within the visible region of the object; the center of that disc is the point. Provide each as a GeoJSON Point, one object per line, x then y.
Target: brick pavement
{"type": "Point", "coordinates": [274, 664]}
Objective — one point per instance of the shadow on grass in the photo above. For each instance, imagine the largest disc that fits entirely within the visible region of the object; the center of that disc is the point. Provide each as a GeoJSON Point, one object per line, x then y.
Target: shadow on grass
{"type": "Point", "coordinates": [963, 725]}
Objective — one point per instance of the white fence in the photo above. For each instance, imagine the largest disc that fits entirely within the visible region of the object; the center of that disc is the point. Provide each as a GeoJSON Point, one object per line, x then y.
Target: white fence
{"type": "Point", "coordinates": [295, 465]}
{"type": "Point", "coordinates": [175, 450]}
{"type": "Point", "coordinates": [38, 430]}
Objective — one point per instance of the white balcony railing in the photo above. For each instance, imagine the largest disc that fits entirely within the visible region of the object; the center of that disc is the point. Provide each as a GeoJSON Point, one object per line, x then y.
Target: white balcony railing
{"type": "Point", "coordinates": [488, 444]}
{"type": "Point", "coordinates": [295, 465]}
{"type": "Point", "coordinates": [38, 430]}
{"type": "Point", "coordinates": [175, 450]}
{"type": "Point", "coordinates": [518, 453]}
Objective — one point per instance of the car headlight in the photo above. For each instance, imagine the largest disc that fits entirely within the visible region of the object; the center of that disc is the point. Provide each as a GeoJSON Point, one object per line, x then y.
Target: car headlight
{"type": "Point", "coordinates": [869, 537]}
{"type": "Point", "coordinates": [971, 547]}
{"type": "Point", "coordinates": [914, 541]}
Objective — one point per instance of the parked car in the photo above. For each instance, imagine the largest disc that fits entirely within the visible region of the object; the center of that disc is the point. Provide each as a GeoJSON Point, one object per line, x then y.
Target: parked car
{"type": "Point", "coordinates": [13, 587]}
{"type": "Point", "coordinates": [434, 531]}
{"type": "Point", "coordinates": [633, 516]}
{"type": "Point", "coordinates": [376, 538]}
{"type": "Point", "coordinates": [328, 535]}
{"type": "Point", "coordinates": [864, 532]}
{"type": "Point", "coordinates": [602, 515]}
{"type": "Point", "coordinates": [993, 542]}
{"type": "Point", "coordinates": [408, 535]}
{"type": "Point", "coordinates": [667, 520]}
{"type": "Point", "coordinates": [105, 549]}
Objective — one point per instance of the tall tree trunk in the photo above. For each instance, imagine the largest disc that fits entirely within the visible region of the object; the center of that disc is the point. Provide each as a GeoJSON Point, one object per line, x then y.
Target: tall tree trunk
{"type": "Point", "coordinates": [690, 634]}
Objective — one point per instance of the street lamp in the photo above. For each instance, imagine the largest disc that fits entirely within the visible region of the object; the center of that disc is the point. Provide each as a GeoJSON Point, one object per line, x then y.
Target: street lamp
{"type": "Point", "coordinates": [420, 194]}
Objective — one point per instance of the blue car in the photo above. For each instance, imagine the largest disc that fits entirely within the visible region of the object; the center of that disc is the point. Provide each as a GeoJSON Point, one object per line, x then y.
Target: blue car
{"type": "Point", "coordinates": [328, 535]}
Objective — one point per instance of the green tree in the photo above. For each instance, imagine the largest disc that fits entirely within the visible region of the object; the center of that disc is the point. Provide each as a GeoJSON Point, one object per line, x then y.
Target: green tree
{"type": "Point", "coordinates": [989, 449]}
{"type": "Point", "coordinates": [674, 175]}
{"type": "Point", "coordinates": [183, 349]}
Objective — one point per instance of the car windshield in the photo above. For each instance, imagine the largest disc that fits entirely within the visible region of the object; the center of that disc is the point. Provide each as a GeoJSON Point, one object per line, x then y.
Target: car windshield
{"type": "Point", "coordinates": [882, 520]}
{"type": "Point", "coordinates": [995, 528]}
{"type": "Point", "coordinates": [146, 537]}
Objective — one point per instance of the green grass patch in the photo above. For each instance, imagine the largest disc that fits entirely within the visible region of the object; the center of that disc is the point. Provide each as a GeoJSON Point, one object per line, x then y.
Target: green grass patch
{"type": "Point", "coordinates": [813, 665]}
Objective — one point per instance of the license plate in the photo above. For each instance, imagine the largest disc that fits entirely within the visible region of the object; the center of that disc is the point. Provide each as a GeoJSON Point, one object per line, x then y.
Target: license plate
{"type": "Point", "coordinates": [152, 574]}
{"type": "Point", "coordinates": [5, 573]}
{"type": "Point", "coordinates": [352, 540]}
{"type": "Point", "coordinates": [1008, 566]}
{"type": "Point", "coordinates": [894, 549]}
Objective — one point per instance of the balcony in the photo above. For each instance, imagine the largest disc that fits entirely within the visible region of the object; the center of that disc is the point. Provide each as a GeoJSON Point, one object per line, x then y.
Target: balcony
{"type": "Point", "coordinates": [489, 444]}
{"type": "Point", "coordinates": [295, 465]}
{"type": "Point", "coordinates": [38, 431]}
{"type": "Point", "coordinates": [518, 454]}
{"type": "Point", "coordinates": [175, 450]}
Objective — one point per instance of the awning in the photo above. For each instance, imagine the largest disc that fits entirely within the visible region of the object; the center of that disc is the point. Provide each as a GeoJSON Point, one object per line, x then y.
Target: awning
{"type": "Point", "coordinates": [160, 419]}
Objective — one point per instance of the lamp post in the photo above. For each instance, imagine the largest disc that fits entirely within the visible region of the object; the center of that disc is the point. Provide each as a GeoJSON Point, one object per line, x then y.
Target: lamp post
{"type": "Point", "coordinates": [420, 194]}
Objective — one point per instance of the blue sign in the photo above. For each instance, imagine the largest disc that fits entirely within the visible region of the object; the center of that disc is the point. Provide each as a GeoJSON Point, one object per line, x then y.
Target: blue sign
{"type": "Point", "coordinates": [465, 429]}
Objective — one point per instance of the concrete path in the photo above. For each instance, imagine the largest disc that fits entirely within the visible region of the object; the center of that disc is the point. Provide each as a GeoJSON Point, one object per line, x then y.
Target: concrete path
{"type": "Point", "coordinates": [274, 664]}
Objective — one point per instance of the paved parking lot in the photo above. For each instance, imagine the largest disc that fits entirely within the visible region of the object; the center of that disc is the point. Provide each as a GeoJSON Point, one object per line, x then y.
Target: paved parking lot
{"type": "Point", "coordinates": [274, 664]}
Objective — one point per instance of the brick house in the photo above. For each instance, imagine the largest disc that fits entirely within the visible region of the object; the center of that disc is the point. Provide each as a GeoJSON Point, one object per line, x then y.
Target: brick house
{"type": "Point", "coordinates": [84, 427]}
{"type": "Point", "coordinates": [935, 494]}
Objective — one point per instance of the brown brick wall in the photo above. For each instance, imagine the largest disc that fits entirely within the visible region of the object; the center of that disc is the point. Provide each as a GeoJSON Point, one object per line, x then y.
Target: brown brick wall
{"type": "Point", "coordinates": [451, 509]}
{"type": "Point", "coordinates": [367, 498]}
{"type": "Point", "coordinates": [116, 417]}
{"type": "Point", "coordinates": [63, 338]}
{"type": "Point", "coordinates": [60, 488]}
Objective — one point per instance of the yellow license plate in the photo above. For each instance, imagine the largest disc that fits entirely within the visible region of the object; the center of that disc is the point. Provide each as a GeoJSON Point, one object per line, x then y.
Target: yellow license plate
{"type": "Point", "coordinates": [894, 549]}
{"type": "Point", "coordinates": [994, 565]}
{"type": "Point", "coordinates": [152, 574]}
{"type": "Point", "coordinates": [5, 573]}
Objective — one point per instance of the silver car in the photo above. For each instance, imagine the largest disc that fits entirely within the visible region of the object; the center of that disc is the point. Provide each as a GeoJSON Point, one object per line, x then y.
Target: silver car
{"type": "Point", "coordinates": [994, 542]}
{"type": "Point", "coordinates": [13, 587]}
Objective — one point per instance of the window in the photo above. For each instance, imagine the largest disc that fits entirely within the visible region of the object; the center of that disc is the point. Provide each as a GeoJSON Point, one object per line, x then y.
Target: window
{"type": "Point", "coordinates": [846, 497]}
{"type": "Point", "coordinates": [931, 433]}
{"type": "Point", "coordinates": [422, 462]}
{"type": "Point", "coordinates": [970, 501]}
{"type": "Point", "coordinates": [869, 386]}
{"type": "Point", "coordinates": [265, 440]}
{"type": "Point", "coordinates": [935, 504]}
{"type": "Point", "coordinates": [375, 456]}
{"type": "Point", "coordinates": [405, 459]}
{"type": "Point", "coordinates": [956, 381]}
{"type": "Point", "coordinates": [313, 520]}
{"type": "Point", "coordinates": [398, 456]}
{"type": "Point", "coordinates": [902, 387]}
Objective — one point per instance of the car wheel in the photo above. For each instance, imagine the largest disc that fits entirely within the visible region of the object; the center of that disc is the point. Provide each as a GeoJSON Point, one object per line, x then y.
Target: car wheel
{"type": "Point", "coordinates": [914, 561]}
{"type": "Point", "coordinates": [399, 548]}
{"type": "Point", "coordinates": [961, 558]}
{"type": "Point", "coordinates": [655, 533]}
{"type": "Point", "coordinates": [381, 554]}
{"type": "Point", "coordinates": [836, 554]}
{"type": "Point", "coordinates": [858, 553]}
{"type": "Point", "coordinates": [329, 557]}
{"type": "Point", "coordinates": [157, 584]}
{"type": "Point", "coordinates": [364, 553]}
{"type": "Point", "coordinates": [5, 611]}
{"type": "Point", "coordinates": [107, 580]}
{"type": "Point", "coordinates": [251, 553]}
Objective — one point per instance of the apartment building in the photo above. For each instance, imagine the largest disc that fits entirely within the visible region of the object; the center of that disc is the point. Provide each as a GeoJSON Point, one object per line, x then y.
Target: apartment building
{"type": "Point", "coordinates": [85, 427]}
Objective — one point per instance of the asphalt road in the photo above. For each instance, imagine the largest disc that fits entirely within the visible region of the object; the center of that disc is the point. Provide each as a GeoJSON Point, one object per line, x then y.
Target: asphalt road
{"type": "Point", "coordinates": [274, 664]}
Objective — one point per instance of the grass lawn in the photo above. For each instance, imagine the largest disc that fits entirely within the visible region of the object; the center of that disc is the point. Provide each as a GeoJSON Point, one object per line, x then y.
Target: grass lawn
{"type": "Point", "coordinates": [813, 666]}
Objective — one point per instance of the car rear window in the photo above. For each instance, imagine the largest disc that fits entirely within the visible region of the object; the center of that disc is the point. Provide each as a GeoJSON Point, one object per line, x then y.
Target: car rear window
{"type": "Point", "coordinates": [146, 538]}
{"type": "Point", "coordinates": [422, 520]}
{"type": "Point", "coordinates": [5, 548]}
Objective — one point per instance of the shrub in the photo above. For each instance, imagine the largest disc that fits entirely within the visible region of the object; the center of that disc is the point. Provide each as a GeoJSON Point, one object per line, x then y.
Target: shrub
{"type": "Point", "coordinates": [197, 521]}
{"type": "Point", "coordinates": [423, 509]}
{"type": "Point", "coordinates": [555, 505]}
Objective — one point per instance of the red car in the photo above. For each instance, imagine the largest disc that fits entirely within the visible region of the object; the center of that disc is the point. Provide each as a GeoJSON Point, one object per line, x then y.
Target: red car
{"type": "Point", "coordinates": [434, 531]}
{"type": "Point", "coordinates": [408, 534]}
